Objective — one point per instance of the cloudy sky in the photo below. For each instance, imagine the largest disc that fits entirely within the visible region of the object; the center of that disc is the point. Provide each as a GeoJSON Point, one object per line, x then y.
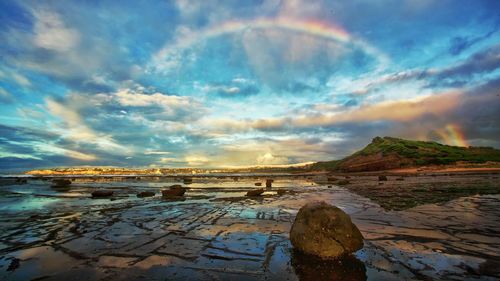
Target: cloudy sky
{"type": "Point", "coordinates": [234, 83]}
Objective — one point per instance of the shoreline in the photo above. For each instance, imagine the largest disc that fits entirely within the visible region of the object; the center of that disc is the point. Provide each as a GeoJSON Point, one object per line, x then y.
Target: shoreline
{"type": "Point", "coordinates": [229, 174]}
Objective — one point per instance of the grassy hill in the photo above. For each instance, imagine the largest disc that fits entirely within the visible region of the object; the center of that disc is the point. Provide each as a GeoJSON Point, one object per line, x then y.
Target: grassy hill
{"type": "Point", "coordinates": [392, 153]}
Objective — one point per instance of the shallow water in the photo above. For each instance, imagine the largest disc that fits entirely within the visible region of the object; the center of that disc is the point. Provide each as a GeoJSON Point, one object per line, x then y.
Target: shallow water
{"type": "Point", "coordinates": [217, 233]}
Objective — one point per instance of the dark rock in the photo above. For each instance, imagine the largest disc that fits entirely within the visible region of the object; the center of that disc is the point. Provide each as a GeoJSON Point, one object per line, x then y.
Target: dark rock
{"type": "Point", "coordinates": [101, 193]}
{"type": "Point", "coordinates": [347, 177]}
{"type": "Point", "coordinates": [400, 179]}
{"type": "Point", "coordinates": [256, 192]}
{"type": "Point", "coordinates": [324, 231]}
{"type": "Point", "coordinates": [6, 181]}
{"type": "Point", "coordinates": [281, 191]}
{"type": "Point", "coordinates": [60, 182]}
{"type": "Point", "coordinates": [382, 178]}
{"type": "Point", "coordinates": [332, 179]}
{"type": "Point", "coordinates": [188, 180]}
{"type": "Point", "coordinates": [175, 190]}
{"type": "Point", "coordinates": [269, 183]}
{"type": "Point", "coordinates": [21, 181]}
{"type": "Point", "coordinates": [145, 194]}
{"type": "Point", "coordinates": [329, 186]}
{"type": "Point", "coordinates": [343, 182]}
{"type": "Point", "coordinates": [14, 264]}
{"type": "Point", "coordinates": [258, 184]}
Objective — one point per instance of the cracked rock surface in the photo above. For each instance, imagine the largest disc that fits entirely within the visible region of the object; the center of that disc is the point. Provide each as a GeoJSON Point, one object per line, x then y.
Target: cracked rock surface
{"type": "Point", "coordinates": [215, 232]}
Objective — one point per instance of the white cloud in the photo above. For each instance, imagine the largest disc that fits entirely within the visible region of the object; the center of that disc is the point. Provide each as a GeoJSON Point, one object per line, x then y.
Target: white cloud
{"type": "Point", "coordinates": [270, 159]}
{"type": "Point", "coordinates": [74, 128]}
{"type": "Point", "coordinates": [21, 80]}
{"type": "Point", "coordinates": [166, 160]}
{"type": "Point", "coordinates": [230, 90]}
{"type": "Point", "coordinates": [66, 152]}
{"type": "Point", "coordinates": [127, 97]}
{"type": "Point", "coordinates": [196, 160]}
{"type": "Point", "coordinates": [51, 32]}
{"type": "Point", "coordinates": [241, 80]}
{"type": "Point", "coordinates": [152, 152]}
{"type": "Point", "coordinates": [4, 95]}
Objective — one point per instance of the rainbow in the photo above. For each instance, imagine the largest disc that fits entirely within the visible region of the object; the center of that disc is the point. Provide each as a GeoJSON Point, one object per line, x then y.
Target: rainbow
{"type": "Point", "coordinates": [314, 28]}
{"type": "Point", "coordinates": [453, 135]}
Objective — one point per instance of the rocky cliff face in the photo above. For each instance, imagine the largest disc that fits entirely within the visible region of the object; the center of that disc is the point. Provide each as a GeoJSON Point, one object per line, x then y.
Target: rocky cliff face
{"type": "Point", "coordinates": [374, 162]}
{"type": "Point", "coordinates": [392, 153]}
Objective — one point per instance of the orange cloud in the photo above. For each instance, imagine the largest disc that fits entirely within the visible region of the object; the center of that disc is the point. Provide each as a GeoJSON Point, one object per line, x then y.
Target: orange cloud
{"type": "Point", "coordinates": [405, 110]}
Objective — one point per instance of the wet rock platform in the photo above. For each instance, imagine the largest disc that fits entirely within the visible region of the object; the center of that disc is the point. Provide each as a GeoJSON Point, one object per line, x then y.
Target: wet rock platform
{"type": "Point", "coordinates": [217, 233]}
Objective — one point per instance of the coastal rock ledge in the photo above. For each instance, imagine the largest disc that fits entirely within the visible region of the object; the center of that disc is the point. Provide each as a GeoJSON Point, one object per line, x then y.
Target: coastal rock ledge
{"type": "Point", "coordinates": [325, 231]}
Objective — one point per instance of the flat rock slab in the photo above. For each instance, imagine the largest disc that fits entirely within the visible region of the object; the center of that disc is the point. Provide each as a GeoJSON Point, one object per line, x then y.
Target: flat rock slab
{"type": "Point", "coordinates": [69, 236]}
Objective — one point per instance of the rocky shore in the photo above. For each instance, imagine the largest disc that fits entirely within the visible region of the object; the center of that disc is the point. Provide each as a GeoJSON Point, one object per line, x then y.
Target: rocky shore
{"type": "Point", "coordinates": [216, 232]}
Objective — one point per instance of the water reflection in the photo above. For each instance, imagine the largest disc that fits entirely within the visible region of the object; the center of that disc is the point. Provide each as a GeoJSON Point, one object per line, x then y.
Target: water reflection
{"type": "Point", "coordinates": [310, 268]}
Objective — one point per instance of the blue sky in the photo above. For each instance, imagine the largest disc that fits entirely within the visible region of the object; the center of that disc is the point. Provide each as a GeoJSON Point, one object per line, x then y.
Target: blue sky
{"type": "Point", "coordinates": [236, 83]}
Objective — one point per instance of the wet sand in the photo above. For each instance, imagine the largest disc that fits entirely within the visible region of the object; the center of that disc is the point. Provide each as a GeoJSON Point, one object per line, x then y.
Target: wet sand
{"type": "Point", "coordinates": [216, 233]}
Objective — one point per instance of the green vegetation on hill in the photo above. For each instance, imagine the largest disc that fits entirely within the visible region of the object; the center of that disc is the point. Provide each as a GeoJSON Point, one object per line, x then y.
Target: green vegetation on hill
{"type": "Point", "coordinates": [427, 152]}
{"type": "Point", "coordinates": [326, 165]}
{"type": "Point", "coordinates": [415, 153]}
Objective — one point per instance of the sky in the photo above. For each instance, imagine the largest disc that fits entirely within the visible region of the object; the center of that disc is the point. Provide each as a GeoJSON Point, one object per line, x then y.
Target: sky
{"type": "Point", "coordinates": [236, 83]}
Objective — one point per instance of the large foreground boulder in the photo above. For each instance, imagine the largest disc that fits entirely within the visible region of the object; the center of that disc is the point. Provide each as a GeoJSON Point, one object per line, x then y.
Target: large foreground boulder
{"type": "Point", "coordinates": [324, 231]}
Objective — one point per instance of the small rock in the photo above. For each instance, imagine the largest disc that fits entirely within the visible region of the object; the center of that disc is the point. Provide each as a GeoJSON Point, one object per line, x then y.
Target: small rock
{"type": "Point", "coordinates": [145, 194]}
{"type": "Point", "coordinates": [281, 191]}
{"type": "Point", "coordinates": [188, 180]}
{"type": "Point", "coordinates": [269, 183]}
{"type": "Point", "coordinates": [60, 183]}
{"type": "Point", "coordinates": [14, 264]}
{"type": "Point", "coordinates": [21, 181]}
{"type": "Point", "coordinates": [332, 179]}
{"type": "Point", "coordinates": [400, 179]}
{"type": "Point", "coordinates": [175, 190]}
{"type": "Point", "coordinates": [258, 184]}
{"type": "Point", "coordinates": [382, 178]}
{"type": "Point", "coordinates": [101, 193]}
{"type": "Point", "coordinates": [343, 182]}
{"type": "Point", "coordinates": [329, 186]}
{"type": "Point", "coordinates": [256, 192]}
{"type": "Point", "coordinates": [324, 231]}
